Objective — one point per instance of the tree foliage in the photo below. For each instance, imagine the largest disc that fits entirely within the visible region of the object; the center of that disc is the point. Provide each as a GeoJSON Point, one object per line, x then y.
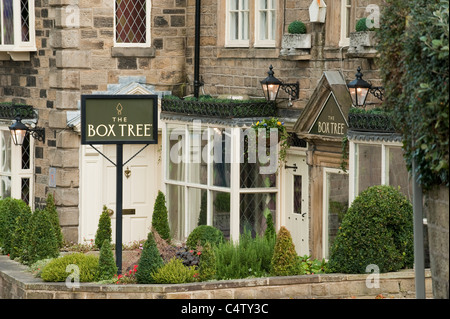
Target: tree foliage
{"type": "Point", "coordinates": [415, 70]}
{"type": "Point", "coordinates": [104, 231]}
{"type": "Point", "coordinates": [160, 219]}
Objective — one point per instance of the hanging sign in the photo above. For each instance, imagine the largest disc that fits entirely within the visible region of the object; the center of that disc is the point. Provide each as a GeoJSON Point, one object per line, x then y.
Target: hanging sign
{"type": "Point", "coordinates": [331, 120]}
{"type": "Point", "coordinates": [119, 119]}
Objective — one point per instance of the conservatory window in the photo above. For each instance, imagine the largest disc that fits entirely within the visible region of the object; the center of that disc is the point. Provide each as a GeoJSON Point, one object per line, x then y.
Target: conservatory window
{"type": "Point", "coordinates": [377, 164]}
{"type": "Point", "coordinates": [204, 186]}
{"type": "Point", "coordinates": [335, 205]}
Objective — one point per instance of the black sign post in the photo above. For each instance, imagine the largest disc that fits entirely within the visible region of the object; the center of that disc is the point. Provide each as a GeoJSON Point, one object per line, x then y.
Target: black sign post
{"type": "Point", "coordinates": [119, 206]}
{"type": "Point", "coordinates": [119, 119]}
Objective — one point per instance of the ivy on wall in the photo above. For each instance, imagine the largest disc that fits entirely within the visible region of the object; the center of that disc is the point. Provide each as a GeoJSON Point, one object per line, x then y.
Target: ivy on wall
{"type": "Point", "coordinates": [414, 65]}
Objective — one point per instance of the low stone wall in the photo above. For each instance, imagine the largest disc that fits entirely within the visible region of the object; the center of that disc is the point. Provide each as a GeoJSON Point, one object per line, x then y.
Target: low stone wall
{"type": "Point", "coordinates": [17, 283]}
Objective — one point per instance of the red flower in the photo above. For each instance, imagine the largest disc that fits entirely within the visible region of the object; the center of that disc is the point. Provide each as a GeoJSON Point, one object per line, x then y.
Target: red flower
{"type": "Point", "coordinates": [199, 253]}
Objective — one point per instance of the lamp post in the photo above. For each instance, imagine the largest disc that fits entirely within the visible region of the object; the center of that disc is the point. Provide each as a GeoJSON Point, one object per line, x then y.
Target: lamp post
{"type": "Point", "coordinates": [19, 131]}
{"type": "Point", "coordinates": [359, 89]}
{"type": "Point", "coordinates": [271, 86]}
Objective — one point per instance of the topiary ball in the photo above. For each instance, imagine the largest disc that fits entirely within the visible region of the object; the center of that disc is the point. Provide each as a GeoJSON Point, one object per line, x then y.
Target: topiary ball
{"type": "Point", "coordinates": [297, 27]}
{"type": "Point", "coordinates": [377, 230]}
{"type": "Point", "coordinates": [361, 25]}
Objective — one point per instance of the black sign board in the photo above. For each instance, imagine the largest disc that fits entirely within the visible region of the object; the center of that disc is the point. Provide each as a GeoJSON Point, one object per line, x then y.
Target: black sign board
{"type": "Point", "coordinates": [119, 119]}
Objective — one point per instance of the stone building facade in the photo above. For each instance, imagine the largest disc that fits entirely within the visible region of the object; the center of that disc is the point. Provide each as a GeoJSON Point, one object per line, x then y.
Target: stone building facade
{"type": "Point", "coordinates": [77, 52]}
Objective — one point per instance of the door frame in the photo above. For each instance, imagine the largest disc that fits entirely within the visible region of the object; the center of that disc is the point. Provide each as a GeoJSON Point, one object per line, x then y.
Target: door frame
{"type": "Point", "coordinates": [301, 156]}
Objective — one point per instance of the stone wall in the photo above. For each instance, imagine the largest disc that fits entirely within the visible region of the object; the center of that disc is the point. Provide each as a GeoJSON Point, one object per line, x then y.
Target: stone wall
{"type": "Point", "coordinates": [16, 283]}
{"type": "Point", "coordinates": [75, 56]}
{"type": "Point", "coordinates": [233, 70]}
{"type": "Point", "coordinates": [436, 210]}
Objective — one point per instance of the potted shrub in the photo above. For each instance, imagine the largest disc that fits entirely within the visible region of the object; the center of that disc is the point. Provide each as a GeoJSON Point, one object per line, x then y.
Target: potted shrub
{"type": "Point", "coordinates": [296, 41]}
{"type": "Point", "coordinates": [363, 42]}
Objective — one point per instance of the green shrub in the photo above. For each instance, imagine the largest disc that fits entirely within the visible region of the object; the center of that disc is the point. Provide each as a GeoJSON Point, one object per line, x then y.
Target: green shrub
{"type": "Point", "coordinates": [106, 265]}
{"type": "Point", "coordinates": [53, 214]}
{"type": "Point", "coordinates": [270, 233]}
{"type": "Point", "coordinates": [55, 270]}
{"type": "Point", "coordinates": [104, 231]}
{"type": "Point", "coordinates": [377, 229]}
{"type": "Point", "coordinates": [149, 262]}
{"type": "Point", "coordinates": [297, 27]}
{"type": "Point", "coordinates": [10, 209]}
{"type": "Point", "coordinates": [203, 234]}
{"type": "Point", "coordinates": [42, 242]}
{"type": "Point", "coordinates": [174, 272]}
{"type": "Point", "coordinates": [160, 220]}
{"type": "Point", "coordinates": [37, 267]}
{"type": "Point", "coordinates": [207, 263]}
{"type": "Point", "coordinates": [19, 241]}
{"type": "Point", "coordinates": [308, 266]}
{"type": "Point", "coordinates": [284, 260]}
{"type": "Point", "coordinates": [251, 257]}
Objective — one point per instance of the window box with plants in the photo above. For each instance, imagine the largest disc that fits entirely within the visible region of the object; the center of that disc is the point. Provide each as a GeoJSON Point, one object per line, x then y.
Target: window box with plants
{"type": "Point", "coordinates": [296, 44]}
{"type": "Point", "coordinates": [363, 42]}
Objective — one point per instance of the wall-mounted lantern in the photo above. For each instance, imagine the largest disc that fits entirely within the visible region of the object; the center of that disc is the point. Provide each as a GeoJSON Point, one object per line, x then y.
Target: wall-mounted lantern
{"type": "Point", "coordinates": [359, 89]}
{"type": "Point", "coordinates": [19, 131]}
{"type": "Point", "coordinates": [271, 85]}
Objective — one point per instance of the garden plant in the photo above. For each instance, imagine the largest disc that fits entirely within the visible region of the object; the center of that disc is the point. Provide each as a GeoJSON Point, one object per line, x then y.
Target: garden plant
{"type": "Point", "coordinates": [377, 229]}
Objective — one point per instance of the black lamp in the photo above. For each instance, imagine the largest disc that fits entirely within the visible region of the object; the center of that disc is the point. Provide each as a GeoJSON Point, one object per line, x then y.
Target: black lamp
{"type": "Point", "coordinates": [359, 89]}
{"type": "Point", "coordinates": [271, 85]}
{"type": "Point", "coordinates": [19, 131]}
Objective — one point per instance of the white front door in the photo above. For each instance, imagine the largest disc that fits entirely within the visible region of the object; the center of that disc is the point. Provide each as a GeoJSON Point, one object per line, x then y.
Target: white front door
{"type": "Point", "coordinates": [296, 202]}
{"type": "Point", "coordinates": [140, 189]}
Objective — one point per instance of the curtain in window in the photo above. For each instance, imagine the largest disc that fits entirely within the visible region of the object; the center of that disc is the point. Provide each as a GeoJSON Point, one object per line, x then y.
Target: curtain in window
{"type": "Point", "coordinates": [131, 21]}
{"type": "Point", "coordinates": [8, 22]}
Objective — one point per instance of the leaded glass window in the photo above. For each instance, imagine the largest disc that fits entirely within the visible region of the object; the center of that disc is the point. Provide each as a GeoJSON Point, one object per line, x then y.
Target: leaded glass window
{"type": "Point", "coordinates": [132, 23]}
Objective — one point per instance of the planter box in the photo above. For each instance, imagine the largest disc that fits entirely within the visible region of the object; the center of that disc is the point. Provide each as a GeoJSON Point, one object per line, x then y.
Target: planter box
{"type": "Point", "coordinates": [296, 45]}
{"type": "Point", "coordinates": [363, 44]}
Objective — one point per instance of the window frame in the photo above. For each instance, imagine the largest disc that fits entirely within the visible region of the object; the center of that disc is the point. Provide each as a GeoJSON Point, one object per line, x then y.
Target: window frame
{"type": "Point", "coordinates": [266, 42]}
{"type": "Point", "coordinates": [239, 42]}
{"type": "Point", "coordinates": [17, 173]}
{"type": "Point", "coordinates": [19, 45]}
{"type": "Point", "coordinates": [147, 43]}
{"type": "Point", "coordinates": [346, 16]}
